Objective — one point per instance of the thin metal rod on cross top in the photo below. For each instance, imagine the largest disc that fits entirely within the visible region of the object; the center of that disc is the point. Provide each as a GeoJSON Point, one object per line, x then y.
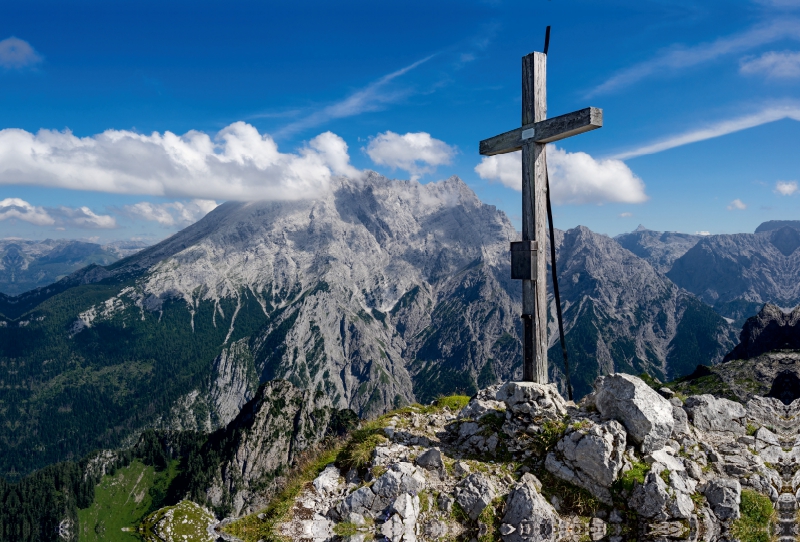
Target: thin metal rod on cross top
{"type": "Point", "coordinates": [528, 262]}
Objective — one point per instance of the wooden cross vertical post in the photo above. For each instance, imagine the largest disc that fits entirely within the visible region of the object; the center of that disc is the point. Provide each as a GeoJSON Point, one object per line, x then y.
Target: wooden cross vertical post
{"type": "Point", "coordinates": [528, 261]}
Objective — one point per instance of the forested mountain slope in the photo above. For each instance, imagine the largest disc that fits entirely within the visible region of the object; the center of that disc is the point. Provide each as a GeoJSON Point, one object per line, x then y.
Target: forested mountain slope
{"type": "Point", "coordinates": [377, 294]}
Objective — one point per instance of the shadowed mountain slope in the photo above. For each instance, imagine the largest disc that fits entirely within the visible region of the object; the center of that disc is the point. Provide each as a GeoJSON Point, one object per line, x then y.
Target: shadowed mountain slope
{"type": "Point", "coordinates": [376, 294]}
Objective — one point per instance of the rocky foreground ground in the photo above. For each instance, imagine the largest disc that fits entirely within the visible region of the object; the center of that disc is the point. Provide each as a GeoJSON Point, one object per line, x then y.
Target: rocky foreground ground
{"type": "Point", "coordinates": [519, 463]}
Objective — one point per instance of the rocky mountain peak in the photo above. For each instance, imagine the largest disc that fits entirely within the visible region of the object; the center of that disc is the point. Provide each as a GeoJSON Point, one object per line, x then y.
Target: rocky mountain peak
{"type": "Point", "coordinates": [785, 239]}
{"type": "Point", "coordinates": [771, 329]}
{"type": "Point", "coordinates": [777, 224]}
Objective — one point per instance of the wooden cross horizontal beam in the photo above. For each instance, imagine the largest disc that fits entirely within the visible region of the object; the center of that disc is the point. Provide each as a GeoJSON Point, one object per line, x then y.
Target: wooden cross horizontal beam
{"type": "Point", "coordinates": [545, 131]}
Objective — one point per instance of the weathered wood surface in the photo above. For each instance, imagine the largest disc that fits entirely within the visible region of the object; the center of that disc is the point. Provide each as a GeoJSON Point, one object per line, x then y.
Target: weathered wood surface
{"type": "Point", "coordinates": [534, 301]}
{"type": "Point", "coordinates": [531, 138]}
{"type": "Point", "coordinates": [545, 131]}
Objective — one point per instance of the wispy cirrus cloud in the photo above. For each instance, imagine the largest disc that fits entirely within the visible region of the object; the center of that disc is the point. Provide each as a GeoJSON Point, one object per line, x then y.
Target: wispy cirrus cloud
{"type": "Point", "coordinates": [773, 64]}
{"type": "Point", "coordinates": [680, 57]}
{"type": "Point", "coordinates": [16, 54]}
{"type": "Point", "coordinates": [373, 97]}
{"type": "Point", "coordinates": [721, 128]}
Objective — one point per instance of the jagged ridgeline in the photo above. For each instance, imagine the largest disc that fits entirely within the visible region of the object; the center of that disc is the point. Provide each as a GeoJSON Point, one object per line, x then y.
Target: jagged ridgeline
{"type": "Point", "coordinates": [377, 294]}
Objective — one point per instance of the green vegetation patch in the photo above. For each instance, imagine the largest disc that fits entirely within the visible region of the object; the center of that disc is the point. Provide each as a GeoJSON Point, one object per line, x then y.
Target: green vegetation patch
{"type": "Point", "coordinates": [628, 479]}
{"type": "Point", "coordinates": [184, 521]}
{"type": "Point", "coordinates": [121, 501]}
{"type": "Point", "coordinates": [757, 513]}
{"type": "Point", "coordinates": [252, 528]}
{"type": "Point", "coordinates": [574, 500]}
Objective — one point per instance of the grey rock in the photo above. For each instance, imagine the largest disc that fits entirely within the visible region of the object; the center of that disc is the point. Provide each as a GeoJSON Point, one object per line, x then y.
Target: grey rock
{"type": "Point", "coordinates": [431, 460]}
{"type": "Point", "coordinates": [485, 402]}
{"type": "Point", "coordinates": [400, 478]}
{"type": "Point", "coordinates": [474, 493]}
{"type": "Point", "coordinates": [590, 457]}
{"type": "Point", "coordinates": [711, 414]}
{"type": "Point", "coordinates": [533, 399]}
{"type": "Point", "coordinates": [445, 502]}
{"type": "Point", "coordinates": [681, 426]}
{"type": "Point", "coordinates": [328, 480]}
{"type": "Point", "coordinates": [265, 440]}
{"type": "Point", "coordinates": [360, 501]}
{"type": "Point", "coordinates": [650, 499]}
{"type": "Point", "coordinates": [646, 415]}
{"type": "Point", "coordinates": [528, 517]}
{"type": "Point", "coordinates": [724, 496]}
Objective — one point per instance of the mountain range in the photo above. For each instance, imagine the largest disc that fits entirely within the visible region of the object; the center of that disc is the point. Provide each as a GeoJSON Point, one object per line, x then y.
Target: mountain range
{"type": "Point", "coordinates": [377, 294]}
{"type": "Point", "coordinates": [26, 265]}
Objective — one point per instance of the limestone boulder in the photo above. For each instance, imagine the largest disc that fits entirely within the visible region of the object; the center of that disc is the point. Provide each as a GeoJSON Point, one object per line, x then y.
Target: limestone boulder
{"type": "Point", "coordinates": [716, 415]}
{"type": "Point", "coordinates": [474, 493]}
{"type": "Point", "coordinates": [528, 517]}
{"type": "Point", "coordinates": [483, 403]}
{"type": "Point", "coordinates": [590, 456]}
{"type": "Point", "coordinates": [724, 496]}
{"type": "Point", "coordinates": [530, 398]}
{"type": "Point", "coordinates": [646, 415]}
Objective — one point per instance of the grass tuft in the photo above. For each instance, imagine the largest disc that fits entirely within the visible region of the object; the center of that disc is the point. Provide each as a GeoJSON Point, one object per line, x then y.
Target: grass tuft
{"type": "Point", "coordinates": [757, 513]}
{"type": "Point", "coordinates": [252, 528]}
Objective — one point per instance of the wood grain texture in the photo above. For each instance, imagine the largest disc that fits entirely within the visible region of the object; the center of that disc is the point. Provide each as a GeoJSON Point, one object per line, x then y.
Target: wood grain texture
{"type": "Point", "coordinates": [540, 228]}
{"type": "Point", "coordinates": [547, 131]}
{"type": "Point", "coordinates": [534, 109]}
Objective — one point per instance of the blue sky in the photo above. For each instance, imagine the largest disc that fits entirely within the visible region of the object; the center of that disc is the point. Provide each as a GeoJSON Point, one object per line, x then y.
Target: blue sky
{"type": "Point", "coordinates": [128, 120]}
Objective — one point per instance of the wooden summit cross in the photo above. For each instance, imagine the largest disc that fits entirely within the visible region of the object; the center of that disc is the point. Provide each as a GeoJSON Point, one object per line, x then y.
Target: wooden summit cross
{"type": "Point", "coordinates": [528, 262]}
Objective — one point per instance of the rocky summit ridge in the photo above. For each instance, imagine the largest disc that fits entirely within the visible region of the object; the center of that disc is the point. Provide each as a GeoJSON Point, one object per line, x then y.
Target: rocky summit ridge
{"type": "Point", "coordinates": [518, 463]}
{"type": "Point", "coordinates": [378, 293]}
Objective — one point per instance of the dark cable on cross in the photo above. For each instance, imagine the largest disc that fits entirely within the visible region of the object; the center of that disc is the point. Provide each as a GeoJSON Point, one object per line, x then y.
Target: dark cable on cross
{"type": "Point", "coordinates": [527, 261]}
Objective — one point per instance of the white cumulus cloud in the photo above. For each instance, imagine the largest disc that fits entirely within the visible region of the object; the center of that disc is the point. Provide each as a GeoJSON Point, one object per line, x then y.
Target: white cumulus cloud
{"type": "Point", "coordinates": [16, 54]}
{"type": "Point", "coordinates": [786, 188]}
{"type": "Point", "coordinates": [575, 178]}
{"type": "Point", "coordinates": [418, 152]}
{"type": "Point", "coordinates": [22, 210]}
{"type": "Point", "coordinates": [238, 163]}
{"type": "Point", "coordinates": [737, 205]}
{"type": "Point", "coordinates": [76, 217]}
{"type": "Point", "coordinates": [82, 217]}
{"type": "Point", "coordinates": [176, 213]}
{"type": "Point", "coordinates": [774, 64]}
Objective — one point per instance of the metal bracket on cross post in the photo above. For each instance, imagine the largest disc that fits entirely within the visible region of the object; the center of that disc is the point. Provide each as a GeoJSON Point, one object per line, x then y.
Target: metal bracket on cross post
{"type": "Point", "coordinates": [524, 258]}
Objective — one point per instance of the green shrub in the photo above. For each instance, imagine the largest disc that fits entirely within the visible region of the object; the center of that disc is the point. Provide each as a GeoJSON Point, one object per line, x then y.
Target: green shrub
{"type": "Point", "coordinates": [550, 433]}
{"type": "Point", "coordinates": [757, 513]}
{"type": "Point", "coordinates": [453, 402]}
{"type": "Point", "coordinates": [626, 482]}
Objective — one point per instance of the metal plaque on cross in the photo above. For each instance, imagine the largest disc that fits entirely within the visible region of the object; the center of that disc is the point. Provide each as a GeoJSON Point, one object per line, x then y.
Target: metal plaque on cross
{"type": "Point", "coordinates": [528, 262]}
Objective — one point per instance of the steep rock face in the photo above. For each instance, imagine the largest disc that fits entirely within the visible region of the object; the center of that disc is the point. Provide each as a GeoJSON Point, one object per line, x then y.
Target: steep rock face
{"type": "Point", "coordinates": [771, 329]}
{"type": "Point", "coordinates": [264, 439]}
{"type": "Point", "coordinates": [736, 274]}
{"type": "Point", "coordinates": [621, 315]}
{"type": "Point", "coordinates": [659, 248]}
{"type": "Point", "coordinates": [376, 294]}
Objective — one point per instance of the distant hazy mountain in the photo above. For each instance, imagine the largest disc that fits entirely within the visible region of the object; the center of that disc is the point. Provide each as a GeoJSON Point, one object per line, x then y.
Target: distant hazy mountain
{"type": "Point", "coordinates": [777, 224]}
{"type": "Point", "coordinates": [376, 294]}
{"type": "Point", "coordinates": [659, 248]}
{"type": "Point", "coordinates": [25, 265]}
{"type": "Point", "coordinates": [737, 274]}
